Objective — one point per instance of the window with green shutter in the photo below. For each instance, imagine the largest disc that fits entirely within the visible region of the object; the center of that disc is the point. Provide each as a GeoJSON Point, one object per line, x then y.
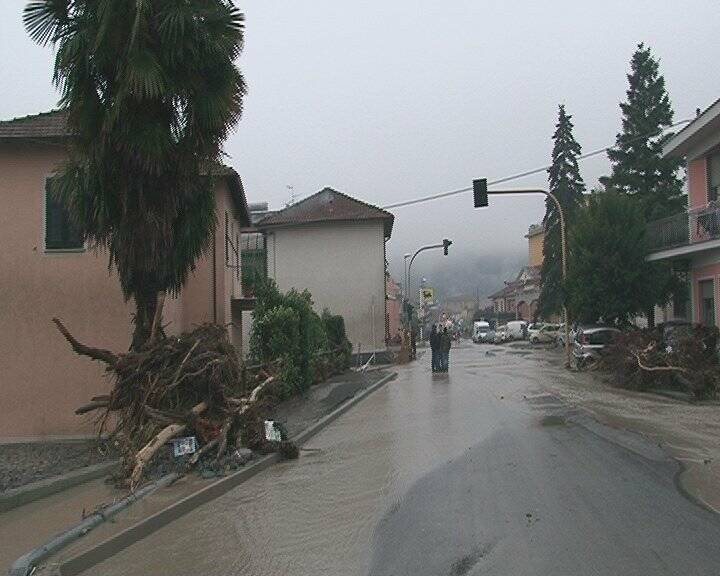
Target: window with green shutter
{"type": "Point", "coordinates": [60, 232]}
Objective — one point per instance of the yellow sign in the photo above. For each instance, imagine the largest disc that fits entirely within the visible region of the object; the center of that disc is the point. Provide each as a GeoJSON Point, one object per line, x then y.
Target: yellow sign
{"type": "Point", "coordinates": [427, 295]}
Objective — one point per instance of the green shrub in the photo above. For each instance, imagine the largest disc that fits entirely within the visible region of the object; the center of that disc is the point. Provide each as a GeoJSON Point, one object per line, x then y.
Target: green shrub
{"type": "Point", "coordinates": [288, 331]}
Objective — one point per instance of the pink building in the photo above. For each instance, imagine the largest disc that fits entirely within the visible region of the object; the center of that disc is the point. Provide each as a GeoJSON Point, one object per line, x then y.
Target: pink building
{"type": "Point", "coordinates": [691, 240]}
{"type": "Point", "coordinates": [47, 271]}
{"type": "Point", "coordinates": [392, 312]}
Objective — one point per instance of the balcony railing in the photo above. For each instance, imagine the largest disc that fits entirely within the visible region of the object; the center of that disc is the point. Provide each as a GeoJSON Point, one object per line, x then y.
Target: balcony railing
{"type": "Point", "coordinates": [695, 225]}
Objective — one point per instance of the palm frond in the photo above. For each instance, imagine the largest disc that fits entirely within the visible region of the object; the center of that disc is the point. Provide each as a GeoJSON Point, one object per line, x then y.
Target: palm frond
{"type": "Point", "coordinates": [44, 19]}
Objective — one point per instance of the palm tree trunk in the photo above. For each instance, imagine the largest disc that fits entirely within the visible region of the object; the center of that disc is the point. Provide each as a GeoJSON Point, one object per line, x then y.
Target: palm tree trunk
{"type": "Point", "coordinates": [145, 305]}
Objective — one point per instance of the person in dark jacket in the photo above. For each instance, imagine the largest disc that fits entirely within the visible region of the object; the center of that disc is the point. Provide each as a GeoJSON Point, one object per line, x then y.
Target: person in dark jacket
{"type": "Point", "coordinates": [445, 349]}
{"type": "Point", "coordinates": [435, 348]}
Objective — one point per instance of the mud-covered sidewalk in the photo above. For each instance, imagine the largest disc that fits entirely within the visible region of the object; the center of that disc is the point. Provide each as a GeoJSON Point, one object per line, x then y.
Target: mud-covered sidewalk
{"type": "Point", "coordinates": [689, 431]}
{"type": "Point", "coordinates": [32, 524]}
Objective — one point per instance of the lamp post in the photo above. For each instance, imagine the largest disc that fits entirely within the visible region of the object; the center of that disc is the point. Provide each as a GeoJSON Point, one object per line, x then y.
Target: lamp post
{"type": "Point", "coordinates": [444, 245]}
{"type": "Point", "coordinates": [407, 291]}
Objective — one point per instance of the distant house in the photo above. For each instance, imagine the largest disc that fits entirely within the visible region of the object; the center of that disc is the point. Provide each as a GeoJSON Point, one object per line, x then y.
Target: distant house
{"type": "Point", "coordinates": [536, 242]}
{"type": "Point", "coordinates": [334, 246]}
{"type": "Point", "coordinates": [520, 296]}
{"type": "Point", "coordinates": [394, 302]}
{"type": "Point", "coordinates": [690, 240]}
{"type": "Point", "coordinates": [47, 271]}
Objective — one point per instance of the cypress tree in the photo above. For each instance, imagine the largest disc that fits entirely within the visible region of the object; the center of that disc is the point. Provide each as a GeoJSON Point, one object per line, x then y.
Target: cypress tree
{"type": "Point", "coordinates": [638, 168]}
{"type": "Point", "coordinates": [567, 186]}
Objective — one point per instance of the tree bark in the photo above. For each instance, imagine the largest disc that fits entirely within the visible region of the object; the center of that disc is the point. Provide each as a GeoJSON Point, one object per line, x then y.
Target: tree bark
{"type": "Point", "coordinates": [145, 305]}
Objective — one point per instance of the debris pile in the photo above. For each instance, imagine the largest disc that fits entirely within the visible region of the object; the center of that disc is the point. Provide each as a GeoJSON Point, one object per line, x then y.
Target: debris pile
{"type": "Point", "coordinates": [685, 359]}
{"type": "Point", "coordinates": [179, 386]}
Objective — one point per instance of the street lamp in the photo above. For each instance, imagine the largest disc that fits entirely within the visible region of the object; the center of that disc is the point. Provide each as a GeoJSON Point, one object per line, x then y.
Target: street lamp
{"type": "Point", "coordinates": [407, 292]}
{"type": "Point", "coordinates": [445, 245]}
{"type": "Point", "coordinates": [480, 194]}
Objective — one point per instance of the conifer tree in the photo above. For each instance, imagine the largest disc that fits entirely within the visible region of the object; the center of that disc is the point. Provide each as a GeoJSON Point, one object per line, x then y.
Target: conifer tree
{"type": "Point", "coordinates": [568, 187]}
{"type": "Point", "coordinates": [638, 168]}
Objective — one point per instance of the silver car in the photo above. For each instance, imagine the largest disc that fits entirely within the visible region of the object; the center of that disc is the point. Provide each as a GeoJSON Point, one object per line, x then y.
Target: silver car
{"type": "Point", "coordinates": [591, 342]}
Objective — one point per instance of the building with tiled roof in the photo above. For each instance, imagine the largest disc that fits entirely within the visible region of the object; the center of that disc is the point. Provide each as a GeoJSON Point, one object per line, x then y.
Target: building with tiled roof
{"type": "Point", "coordinates": [328, 205]}
{"type": "Point", "coordinates": [49, 270]}
{"type": "Point", "coordinates": [334, 246]}
{"type": "Point", "coordinates": [46, 125]}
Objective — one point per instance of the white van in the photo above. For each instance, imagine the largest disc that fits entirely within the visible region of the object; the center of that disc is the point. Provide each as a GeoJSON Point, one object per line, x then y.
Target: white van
{"type": "Point", "coordinates": [517, 330]}
{"type": "Point", "coordinates": [481, 330]}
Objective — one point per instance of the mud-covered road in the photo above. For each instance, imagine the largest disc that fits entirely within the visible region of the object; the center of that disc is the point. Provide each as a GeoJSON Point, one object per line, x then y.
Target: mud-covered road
{"type": "Point", "coordinates": [485, 472]}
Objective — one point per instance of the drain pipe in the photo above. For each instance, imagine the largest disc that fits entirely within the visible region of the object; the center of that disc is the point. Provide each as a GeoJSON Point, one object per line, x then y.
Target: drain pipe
{"type": "Point", "coordinates": [214, 277]}
{"type": "Point", "coordinates": [26, 564]}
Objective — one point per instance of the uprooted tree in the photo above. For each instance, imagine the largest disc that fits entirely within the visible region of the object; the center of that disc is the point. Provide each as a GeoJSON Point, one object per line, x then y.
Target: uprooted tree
{"type": "Point", "coordinates": [191, 384]}
{"type": "Point", "coordinates": [684, 359]}
{"type": "Point", "coordinates": [194, 384]}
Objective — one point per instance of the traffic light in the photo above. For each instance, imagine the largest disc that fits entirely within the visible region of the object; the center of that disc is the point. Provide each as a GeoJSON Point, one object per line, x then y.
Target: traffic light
{"type": "Point", "coordinates": [446, 244]}
{"type": "Point", "coordinates": [480, 192]}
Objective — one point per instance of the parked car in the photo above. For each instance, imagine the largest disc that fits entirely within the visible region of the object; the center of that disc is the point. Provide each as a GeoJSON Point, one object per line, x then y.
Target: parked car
{"type": "Point", "coordinates": [592, 341]}
{"type": "Point", "coordinates": [546, 333]}
{"type": "Point", "coordinates": [560, 340]}
{"type": "Point", "coordinates": [481, 329]}
{"type": "Point", "coordinates": [534, 328]}
{"type": "Point", "coordinates": [516, 330]}
{"type": "Point", "coordinates": [500, 335]}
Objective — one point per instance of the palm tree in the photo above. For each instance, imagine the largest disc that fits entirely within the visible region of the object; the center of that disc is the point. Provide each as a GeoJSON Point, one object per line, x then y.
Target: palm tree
{"type": "Point", "coordinates": [151, 91]}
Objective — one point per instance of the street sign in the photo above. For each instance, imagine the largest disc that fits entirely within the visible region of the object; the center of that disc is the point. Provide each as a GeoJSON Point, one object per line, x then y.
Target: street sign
{"type": "Point", "coordinates": [427, 296]}
{"type": "Point", "coordinates": [183, 446]}
{"type": "Point", "coordinates": [272, 432]}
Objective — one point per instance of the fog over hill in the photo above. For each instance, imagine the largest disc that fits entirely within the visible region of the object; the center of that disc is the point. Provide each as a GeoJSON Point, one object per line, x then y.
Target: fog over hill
{"type": "Point", "coordinates": [463, 273]}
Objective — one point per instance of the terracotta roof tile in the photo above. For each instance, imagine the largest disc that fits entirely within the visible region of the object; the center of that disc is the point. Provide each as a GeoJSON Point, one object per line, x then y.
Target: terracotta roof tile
{"type": "Point", "coordinates": [51, 124]}
{"type": "Point", "coordinates": [328, 205]}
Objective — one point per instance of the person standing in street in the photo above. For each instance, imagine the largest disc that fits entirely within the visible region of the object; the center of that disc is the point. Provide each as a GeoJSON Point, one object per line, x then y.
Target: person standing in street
{"type": "Point", "coordinates": [435, 348]}
{"type": "Point", "coordinates": [445, 350]}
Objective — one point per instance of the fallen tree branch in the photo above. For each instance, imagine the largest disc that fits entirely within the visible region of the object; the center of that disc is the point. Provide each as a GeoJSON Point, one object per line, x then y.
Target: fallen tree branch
{"type": "Point", "coordinates": [198, 454]}
{"type": "Point", "coordinates": [94, 353]}
{"type": "Point", "coordinates": [182, 364]}
{"type": "Point", "coordinates": [223, 438]}
{"type": "Point", "coordinates": [90, 406]}
{"type": "Point", "coordinates": [149, 450]}
{"type": "Point", "coordinates": [658, 368]}
{"type": "Point", "coordinates": [254, 394]}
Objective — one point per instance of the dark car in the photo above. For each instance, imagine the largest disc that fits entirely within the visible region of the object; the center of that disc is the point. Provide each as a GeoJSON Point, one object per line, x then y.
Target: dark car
{"type": "Point", "coordinates": [591, 342]}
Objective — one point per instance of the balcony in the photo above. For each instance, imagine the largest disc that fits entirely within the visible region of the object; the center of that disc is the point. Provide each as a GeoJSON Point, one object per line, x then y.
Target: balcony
{"type": "Point", "coordinates": [686, 229]}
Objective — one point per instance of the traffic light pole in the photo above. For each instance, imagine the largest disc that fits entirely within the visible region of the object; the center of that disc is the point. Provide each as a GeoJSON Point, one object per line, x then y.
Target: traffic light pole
{"type": "Point", "coordinates": [563, 243]}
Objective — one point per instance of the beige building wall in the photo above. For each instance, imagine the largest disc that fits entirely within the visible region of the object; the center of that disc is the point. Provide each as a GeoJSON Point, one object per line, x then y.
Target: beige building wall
{"type": "Point", "coordinates": [42, 381]}
{"type": "Point", "coordinates": [342, 264]}
{"type": "Point", "coordinates": [535, 248]}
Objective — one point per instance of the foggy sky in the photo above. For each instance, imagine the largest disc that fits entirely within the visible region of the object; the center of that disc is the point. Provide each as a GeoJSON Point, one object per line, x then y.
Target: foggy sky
{"type": "Point", "coordinates": [393, 100]}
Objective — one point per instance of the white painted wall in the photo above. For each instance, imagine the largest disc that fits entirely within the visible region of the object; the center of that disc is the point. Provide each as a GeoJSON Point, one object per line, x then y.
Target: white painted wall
{"type": "Point", "coordinates": [342, 264]}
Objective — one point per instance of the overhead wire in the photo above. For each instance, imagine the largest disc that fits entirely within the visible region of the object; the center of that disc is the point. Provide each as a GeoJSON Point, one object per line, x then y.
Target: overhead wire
{"type": "Point", "coordinates": [527, 173]}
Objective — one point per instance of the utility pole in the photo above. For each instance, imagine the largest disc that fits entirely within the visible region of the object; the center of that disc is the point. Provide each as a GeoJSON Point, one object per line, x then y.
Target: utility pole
{"type": "Point", "coordinates": [480, 196]}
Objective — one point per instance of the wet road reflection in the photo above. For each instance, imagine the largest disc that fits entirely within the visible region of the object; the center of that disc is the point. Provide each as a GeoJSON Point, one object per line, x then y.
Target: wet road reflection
{"type": "Point", "coordinates": [476, 473]}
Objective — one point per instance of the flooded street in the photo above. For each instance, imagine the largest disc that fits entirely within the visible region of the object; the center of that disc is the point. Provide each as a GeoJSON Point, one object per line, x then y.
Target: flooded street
{"type": "Point", "coordinates": [484, 472]}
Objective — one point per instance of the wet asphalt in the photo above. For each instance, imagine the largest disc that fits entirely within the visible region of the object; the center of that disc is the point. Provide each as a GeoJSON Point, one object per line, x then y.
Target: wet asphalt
{"type": "Point", "coordinates": [481, 472]}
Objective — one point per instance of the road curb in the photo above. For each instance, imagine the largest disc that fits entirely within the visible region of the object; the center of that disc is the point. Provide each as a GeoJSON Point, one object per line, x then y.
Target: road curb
{"type": "Point", "coordinates": [114, 544]}
{"type": "Point", "coordinates": [26, 564]}
{"type": "Point", "coordinates": [24, 494]}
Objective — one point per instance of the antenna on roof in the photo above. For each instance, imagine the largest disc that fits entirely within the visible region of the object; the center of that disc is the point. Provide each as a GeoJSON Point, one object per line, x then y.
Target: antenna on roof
{"type": "Point", "coordinates": [291, 191]}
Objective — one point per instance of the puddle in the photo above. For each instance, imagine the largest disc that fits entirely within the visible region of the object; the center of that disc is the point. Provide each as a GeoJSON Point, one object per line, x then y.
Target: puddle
{"type": "Point", "coordinates": [553, 420]}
